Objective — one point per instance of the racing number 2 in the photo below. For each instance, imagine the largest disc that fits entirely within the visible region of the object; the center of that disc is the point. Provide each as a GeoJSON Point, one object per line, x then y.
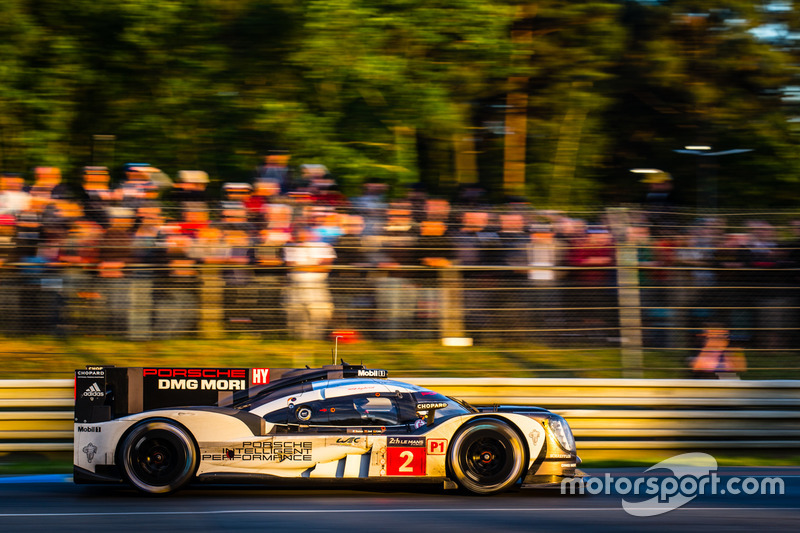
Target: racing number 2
{"type": "Point", "coordinates": [405, 461]}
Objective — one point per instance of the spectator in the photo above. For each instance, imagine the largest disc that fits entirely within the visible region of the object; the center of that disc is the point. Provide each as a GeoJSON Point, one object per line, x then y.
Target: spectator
{"type": "Point", "coordinates": [327, 227]}
{"type": "Point", "coordinates": [395, 295]}
{"type": "Point", "coordinates": [477, 248]}
{"type": "Point", "coordinates": [195, 219]}
{"type": "Point", "coordinates": [146, 253]}
{"type": "Point", "coordinates": [13, 199]}
{"type": "Point", "coordinates": [177, 300]}
{"type": "Point", "coordinates": [97, 194]}
{"type": "Point", "coordinates": [594, 259]}
{"type": "Point", "coordinates": [138, 188]}
{"type": "Point", "coordinates": [371, 206]}
{"type": "Point", "coordinates": [309, 305]}
{"type": "Point", "coordinates": [275, 233]}
{"type": "Point", "coordinates": [543, 255]}
{"type": "Point", "coordinates": [717, 358]}
{"type": "Point", "coordinates": [190, 187]}
{"type": "Point", "coordinates": [47, 183]}
{"type": "Point", "coordinates": [275, 169]}
{"type": "Point", "coordinates": [513, 299]}
{"type": "Point", "coordinates": [769, 285]}
{"type": "Point", "coordinates": [265, 193]}
{"type": "Point", "coordinates": [115, 255]}
{"type": "Point", "coordinates": [435, 251]}
{"type": "Point", "coordinates": [697, 253]}
{"type": "Point", "coordinates": [349, 281]}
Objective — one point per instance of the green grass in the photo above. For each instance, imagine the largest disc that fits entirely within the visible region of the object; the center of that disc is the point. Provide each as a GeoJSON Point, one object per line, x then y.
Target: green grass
{"type": "Point", "coordinates": [32, 463]}
{"type": "Point", "coordinates": [47, 357]}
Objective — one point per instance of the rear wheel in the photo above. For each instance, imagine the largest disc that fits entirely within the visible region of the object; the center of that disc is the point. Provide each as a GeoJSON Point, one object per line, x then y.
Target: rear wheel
{"type": "Point", "coordinates": [486, 456]}
{"type": "Point", "coordinates": [158, 456]}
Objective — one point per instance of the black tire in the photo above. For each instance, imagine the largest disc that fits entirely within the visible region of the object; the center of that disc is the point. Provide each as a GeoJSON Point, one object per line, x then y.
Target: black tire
{"type": "Point", "coordinates": [158, 456]}
{"type": "Point", "coordinates": [486, 456]}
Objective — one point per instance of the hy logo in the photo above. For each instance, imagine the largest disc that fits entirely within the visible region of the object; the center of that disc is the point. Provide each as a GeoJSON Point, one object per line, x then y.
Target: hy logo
{"type": "Point", "coordinates": [696, 465]}
{"type": "Point", "coordinates": [261, 376]}
{"type": "Point", "coordinates": [90, 449]}
{"type": "Point", "coordinates": [93, 391]}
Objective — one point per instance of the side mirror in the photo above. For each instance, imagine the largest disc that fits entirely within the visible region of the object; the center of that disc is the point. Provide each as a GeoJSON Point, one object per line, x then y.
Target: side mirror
{"type": "Point", "coordinates": [429, 417]}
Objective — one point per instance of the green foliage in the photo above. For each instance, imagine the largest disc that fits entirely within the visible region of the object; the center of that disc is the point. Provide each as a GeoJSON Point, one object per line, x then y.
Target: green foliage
{"type": "Point", "coordinates": [381, 88]}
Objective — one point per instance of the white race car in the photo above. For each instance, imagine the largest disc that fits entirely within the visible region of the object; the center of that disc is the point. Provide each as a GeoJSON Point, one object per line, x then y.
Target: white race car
{"type": "Point", "coordinates": [339, 422]}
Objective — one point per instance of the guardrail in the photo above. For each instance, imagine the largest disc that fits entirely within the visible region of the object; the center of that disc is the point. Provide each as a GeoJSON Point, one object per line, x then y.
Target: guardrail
{"type": "Point", "coordinates": [623, 415]}
{"type": "Point", "coordinates": [36, 415]}
{"type": "Point", "coordinates": [651, 414]}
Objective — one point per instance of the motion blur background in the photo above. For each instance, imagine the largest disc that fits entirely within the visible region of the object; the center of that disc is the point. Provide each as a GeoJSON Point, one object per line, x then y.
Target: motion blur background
{"type": "Point", "coordinates": [592, 189]}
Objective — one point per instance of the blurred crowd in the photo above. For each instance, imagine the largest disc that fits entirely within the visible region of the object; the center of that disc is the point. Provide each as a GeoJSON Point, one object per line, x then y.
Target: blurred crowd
{"type": "Point", "coordinates": [287, 251]}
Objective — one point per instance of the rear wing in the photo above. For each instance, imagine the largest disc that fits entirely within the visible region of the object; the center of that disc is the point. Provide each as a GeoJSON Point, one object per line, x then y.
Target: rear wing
{"type": "Point", "coordinates": [105, 393]}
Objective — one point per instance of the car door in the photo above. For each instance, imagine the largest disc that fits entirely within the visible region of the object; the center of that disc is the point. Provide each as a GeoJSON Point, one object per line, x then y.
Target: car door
{"type": "Point", "coordinates": [339, 433]}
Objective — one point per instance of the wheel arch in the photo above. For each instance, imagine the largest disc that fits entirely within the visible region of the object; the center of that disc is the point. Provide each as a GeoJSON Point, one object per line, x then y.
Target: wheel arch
{"type": "Point", "coordinates": [525, 447]}
{"type": "Point", "coordinates": [118, 451]}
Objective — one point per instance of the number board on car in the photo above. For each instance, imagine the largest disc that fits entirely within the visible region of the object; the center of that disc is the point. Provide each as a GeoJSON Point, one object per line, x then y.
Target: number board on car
{"type": "Point", "coordinates": [405, 456]}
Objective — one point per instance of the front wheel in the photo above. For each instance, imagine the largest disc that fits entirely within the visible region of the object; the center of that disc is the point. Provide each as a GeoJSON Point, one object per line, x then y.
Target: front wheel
{"type": "Point", "coordinates": [158, 456]}
{"type": "Point", "coordinates": [486, 457]}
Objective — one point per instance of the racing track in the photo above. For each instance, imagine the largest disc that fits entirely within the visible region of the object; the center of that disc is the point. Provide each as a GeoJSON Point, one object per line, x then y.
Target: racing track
{"type": "Point", "coordinates": [53, 503]}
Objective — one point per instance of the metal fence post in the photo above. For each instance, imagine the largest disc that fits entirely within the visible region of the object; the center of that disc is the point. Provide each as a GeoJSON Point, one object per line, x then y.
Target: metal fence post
{"type": "Point", "coordinates": [452, 321]}
{"type": "Point", "coordinates": [212, 312]}
{"type": "Point", "coordinates": [630, 315]}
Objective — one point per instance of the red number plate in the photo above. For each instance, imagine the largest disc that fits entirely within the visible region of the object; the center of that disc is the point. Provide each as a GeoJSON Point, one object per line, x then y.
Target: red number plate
{"type": "Point", "coordinates": [405, 461]}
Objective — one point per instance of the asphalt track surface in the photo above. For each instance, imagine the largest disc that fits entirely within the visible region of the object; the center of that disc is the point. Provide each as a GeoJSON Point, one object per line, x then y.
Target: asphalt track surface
{"type": "Point", "coordinates": [53, 503]}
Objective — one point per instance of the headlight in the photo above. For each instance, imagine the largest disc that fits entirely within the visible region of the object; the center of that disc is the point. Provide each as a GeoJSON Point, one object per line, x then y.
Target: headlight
{"type": "Point", "coordinates": [562, 433]}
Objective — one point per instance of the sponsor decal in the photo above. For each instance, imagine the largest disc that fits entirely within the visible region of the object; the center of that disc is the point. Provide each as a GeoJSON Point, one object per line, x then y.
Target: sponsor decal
{"type": "Point", "coordinates": [202, 384]}
{"type": "Point", "coordinates": [269, 451]}
{"type": "Point", "coordinates": [371, 373]}
{"type": "Point", "coordinates": [361, 387]}
{"type": "Point", "coordinates": [437, 446]}
{"type": "Point", "coordinates": [90, 449]}
{"type": "Point", "coordinates": [431, 405]}
{"type": "Point", "coordinates": [260, 376]}
{"type": "Point", "coordinates": [366, 431]}
{"type": "Point", "coordinates": [348, 440]}
{"type": "Point", "coordinates": [209, 373]}
{"type": "Point", "coordinates": [406, 442]}
{"type": "Point", "coordinates": [166, 387]}
{"type": "Point", "coordinates": [91, 373]}
{"type": "Point", "coordinates": [94, 391]}
{"type": "Point", "coordinates": [89, 429]}
{"type": "Point", "coordinates": [405, 456]}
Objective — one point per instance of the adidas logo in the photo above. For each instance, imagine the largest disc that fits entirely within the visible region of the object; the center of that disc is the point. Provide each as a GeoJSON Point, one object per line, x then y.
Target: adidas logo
{"type": "Point", "coordinates": [93, 391]}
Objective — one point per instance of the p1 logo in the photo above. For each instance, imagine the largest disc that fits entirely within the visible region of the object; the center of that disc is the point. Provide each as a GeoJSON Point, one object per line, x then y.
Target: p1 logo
{"type": "Point", "coordinates": [437, 446]}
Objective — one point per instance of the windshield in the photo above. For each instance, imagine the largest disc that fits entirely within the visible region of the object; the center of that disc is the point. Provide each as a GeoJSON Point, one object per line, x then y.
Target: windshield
{"type": "Point", "coordinates": [454, 407]}
{"type": "Point", "coordinates": [464, 404]}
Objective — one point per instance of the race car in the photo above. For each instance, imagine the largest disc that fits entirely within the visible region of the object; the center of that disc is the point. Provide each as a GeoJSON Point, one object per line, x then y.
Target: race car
{"type": "Point", "coordinates": [159, 429]}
